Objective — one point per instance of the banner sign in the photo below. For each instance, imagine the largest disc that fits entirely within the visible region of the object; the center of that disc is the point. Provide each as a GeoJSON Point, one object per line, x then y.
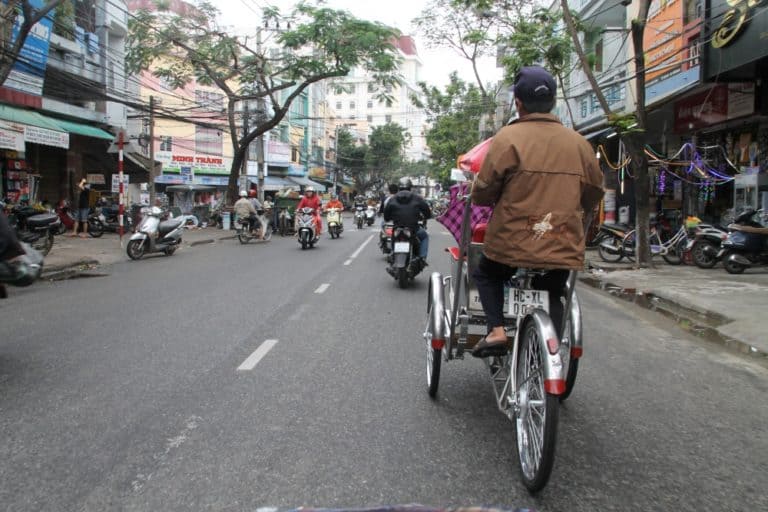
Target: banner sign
{"type": "Point", "coordinates": [11, 137]}
{"type": "Point", "coordinates": [28, 73]}
{"type": "Point", "coordinates": [173, 163]}
{"type": "Point", "coordinates": [737, 34]}
{"type": "Point", "coordinates": [46, 137]}
{"type": "Point", "coordinates": [116, 182]}
{"type": "Point", "coordinates": [720, 103]}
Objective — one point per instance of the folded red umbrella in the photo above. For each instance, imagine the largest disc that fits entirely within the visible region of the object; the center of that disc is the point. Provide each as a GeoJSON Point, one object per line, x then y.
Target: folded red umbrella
{"type": "Point", "coordinates": [473, 159]}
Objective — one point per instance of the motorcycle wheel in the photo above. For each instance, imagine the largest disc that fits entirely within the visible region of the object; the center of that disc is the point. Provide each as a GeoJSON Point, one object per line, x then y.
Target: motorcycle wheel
{"type": "Point", "coordinates": [135, 249]}
{"type": "Point", "coordinates": [170, 250]}
{"type": "Point", "coordinates": [700, 258]}
{"type": "Point", "coordinates": [243, 237]}
{"type": "Point", "coordinates": [608, 256]}
{"type": "Point", "coordinates": [268, 233]}
{"type": "Point", "coordinates": [360, 224]}
{"type": "Point", "coordinates": [62, 229]}
{"type": "Point", "coordinates": [402, 278]}
{"type": "Point", "coordinates": [731, 266]}
{"type": "Point", "coordinates": [95, 229]}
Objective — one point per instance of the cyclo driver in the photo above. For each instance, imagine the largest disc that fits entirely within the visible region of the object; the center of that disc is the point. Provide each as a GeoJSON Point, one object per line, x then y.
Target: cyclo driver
{"type": "Point", "coordinates": [405, 209]}
{"type": "Point", "coordinates": [542, 178]}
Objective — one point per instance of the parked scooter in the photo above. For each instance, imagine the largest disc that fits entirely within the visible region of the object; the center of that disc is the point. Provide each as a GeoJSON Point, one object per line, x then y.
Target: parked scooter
{"type": "Point", "coordinates": [705, 243]}
{"type": "Point", "coordinates": [385, 237]}
{"type": "Point", "coordinates": [370, 215]}
{"type": "Point", "coordinates": [306, 228]}
{"type": "Point", "coordinates": [154, 235]}
{"type": "Point", "coordinates": [610, 241]}
{"type": "Point", "coordinates": [334, 221]}
{"type": "Point", "coordinates": [35, 228]}
{"type": "Point", "coordinates": [404, 262]}
{"type": "Point", "coordinates": [359, 216]}
{"type": "Point", "coordinates": [263, 225]}
{"type": "Point", "coordinates": [746, 245]}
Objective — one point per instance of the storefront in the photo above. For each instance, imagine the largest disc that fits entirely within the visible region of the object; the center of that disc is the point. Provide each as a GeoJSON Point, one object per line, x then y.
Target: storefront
{"type": "Point", "coordinates": [43, 157]}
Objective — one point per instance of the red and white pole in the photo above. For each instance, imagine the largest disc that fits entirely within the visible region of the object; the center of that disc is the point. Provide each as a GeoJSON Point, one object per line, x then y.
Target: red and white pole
{"type": "Point", "coordinates": [121, 208]}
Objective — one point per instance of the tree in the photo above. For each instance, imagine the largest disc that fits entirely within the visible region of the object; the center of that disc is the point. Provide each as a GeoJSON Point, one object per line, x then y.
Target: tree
{"type": "Point", "coordinates": [471, 34]}
{"type": "Point", "coordinates": [632, 127]}
{"type": "Point", "coordinates": [317, 43]}
{"type": "Point", "coordinates": [453, 114]}
{"type": "Point", "coordinates": [373, 164]}
{"type": "Point", "coordinates": [29, 13]}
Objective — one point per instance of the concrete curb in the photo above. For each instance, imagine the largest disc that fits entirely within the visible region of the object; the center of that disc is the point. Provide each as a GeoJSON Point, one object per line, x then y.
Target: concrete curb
{"type": "Point", "coordinates": [702, 323]}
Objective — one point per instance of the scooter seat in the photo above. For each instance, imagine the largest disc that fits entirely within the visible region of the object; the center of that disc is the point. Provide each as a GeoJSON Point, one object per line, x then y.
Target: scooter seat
{"type": "Point", "coordinates": [41, 220]}
{"type": "Point", "coordinates": [748, 229]}
{"type": "Point", "coordinates": [169, 225]}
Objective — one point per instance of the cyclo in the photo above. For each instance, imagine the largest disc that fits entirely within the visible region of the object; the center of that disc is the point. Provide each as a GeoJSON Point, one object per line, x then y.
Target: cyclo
{"type": "Point", "coordinates": [539, 366]}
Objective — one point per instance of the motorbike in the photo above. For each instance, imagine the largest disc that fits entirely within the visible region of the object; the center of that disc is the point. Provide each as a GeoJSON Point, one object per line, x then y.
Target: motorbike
{"type": "Point", "coordinates": [64, 211]}
{"type": "Point", "coordinates": [746, 244]}
{"type": "Point", "coordinates": [306, 228]}
{"type": "Point", "coordinates": [108, 220]}
{"type": "Point", "coordinates": [262, 229]}
{"type": "Point", "coordinates": [385, 238]}
{"type": "Point", "coordinates": [335, 223]}
{"type": "Point", "coordinates": [610, 240]}
{"type": "Point", "coordinates": [404, 263]}
{"type": "Point", "coordinates": [705, 243]}
{"type": "Point", "coordinates": [21, 271]}
{"type": "Point", "coordinates": [155, 235]}
{"type": "Point", "coordinates": [370, 215]}
{"type": "Point", "coordinates": [359, 216]}
{"type": "Point", "coordinates": [35, 228]}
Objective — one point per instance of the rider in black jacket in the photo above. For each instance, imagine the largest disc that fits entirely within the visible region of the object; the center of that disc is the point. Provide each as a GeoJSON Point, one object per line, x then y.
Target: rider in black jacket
{"type": "Point", "coordinates": [406, 209]}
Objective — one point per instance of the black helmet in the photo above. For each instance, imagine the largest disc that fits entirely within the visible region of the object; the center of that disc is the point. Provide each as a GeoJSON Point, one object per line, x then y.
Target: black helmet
{"type": "Point", "coordinates": [405, 184]}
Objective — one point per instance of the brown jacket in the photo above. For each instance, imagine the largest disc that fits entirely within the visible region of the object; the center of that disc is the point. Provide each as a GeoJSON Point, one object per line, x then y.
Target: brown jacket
{"type": "Point", "coordinates": [541, 177]}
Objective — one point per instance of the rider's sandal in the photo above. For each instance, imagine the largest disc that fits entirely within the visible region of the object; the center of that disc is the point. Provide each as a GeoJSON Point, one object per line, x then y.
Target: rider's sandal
{"type": "Point", "coordinates": [490, 349]}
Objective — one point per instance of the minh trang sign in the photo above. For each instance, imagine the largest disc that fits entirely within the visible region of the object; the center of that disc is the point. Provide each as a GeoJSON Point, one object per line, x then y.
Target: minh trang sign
{"type": "Point", "coordinates": [737, 34]}
{"type": "Point", "coordinates": [174, 163]}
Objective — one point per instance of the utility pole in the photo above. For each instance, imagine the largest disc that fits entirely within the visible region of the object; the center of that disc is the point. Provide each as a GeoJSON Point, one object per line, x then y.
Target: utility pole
{"type": "Point", "coordinates": [260, 140]}
{"type": "Point", "coordinates": [151, 151]}
{"type": "Point", "coordinates": [244, 165]}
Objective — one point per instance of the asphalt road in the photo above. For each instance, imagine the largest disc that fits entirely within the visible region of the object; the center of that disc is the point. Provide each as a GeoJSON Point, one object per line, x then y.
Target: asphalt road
{"type": "Point", "coordinates": [123, 393]}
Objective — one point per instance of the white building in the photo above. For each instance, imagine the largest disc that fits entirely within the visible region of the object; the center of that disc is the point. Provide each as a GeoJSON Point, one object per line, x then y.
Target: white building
{"type": "Point", "coordinates": [354, 101]}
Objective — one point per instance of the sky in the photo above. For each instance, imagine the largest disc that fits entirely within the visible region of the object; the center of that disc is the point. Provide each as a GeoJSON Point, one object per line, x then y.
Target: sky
{"type": "Point", "coordinates": [438, 63]}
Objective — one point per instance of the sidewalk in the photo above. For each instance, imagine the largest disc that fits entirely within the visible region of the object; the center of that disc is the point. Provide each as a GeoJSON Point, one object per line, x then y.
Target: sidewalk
{"type": "Point", "coordinates": [70, 256]}
{"type": "Point", "coordinates": [712, 303]}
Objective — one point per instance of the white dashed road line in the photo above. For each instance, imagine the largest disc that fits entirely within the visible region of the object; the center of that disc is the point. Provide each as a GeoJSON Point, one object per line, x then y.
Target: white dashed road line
{"type": "Point", "coordinates": [360, 249]}
{"type": "Point", "coordinates": [322, 288]}
{"type": "Point", "coordinates": [258, 354]}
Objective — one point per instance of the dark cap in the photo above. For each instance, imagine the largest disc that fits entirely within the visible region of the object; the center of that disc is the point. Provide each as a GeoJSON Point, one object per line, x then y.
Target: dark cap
{"type": "Point", "coordinates": [534, 83]}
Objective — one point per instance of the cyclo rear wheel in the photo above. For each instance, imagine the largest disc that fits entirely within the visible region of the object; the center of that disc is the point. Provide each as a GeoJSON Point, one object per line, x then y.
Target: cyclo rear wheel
{"type": "Point", "coordinates": [434, 355]}
{"type": "Point", "coordinates": [537, 414]}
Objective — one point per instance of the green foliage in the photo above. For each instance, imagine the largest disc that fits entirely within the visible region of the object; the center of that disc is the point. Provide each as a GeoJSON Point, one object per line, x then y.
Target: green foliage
{"type": "Point", "coordinates": [455, 115]}
{"type": "Point", "coordinates": [372, 164]}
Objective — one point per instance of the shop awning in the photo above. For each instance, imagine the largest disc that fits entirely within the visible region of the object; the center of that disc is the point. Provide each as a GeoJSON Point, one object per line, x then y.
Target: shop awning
{"type": "Point", "coordinates": [274, 183]}
{"type": "Point", "coordinates": [306, 182]}
{"type": "Point", "coordinates": [33, 118]}
{"type": "Point", "coordinates": [84, 129]}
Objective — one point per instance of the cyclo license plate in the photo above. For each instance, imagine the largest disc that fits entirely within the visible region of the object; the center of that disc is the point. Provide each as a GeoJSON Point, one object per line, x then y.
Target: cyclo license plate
{"type": "Point", "coordinates": [402, 247]}
{"type": "Point", "coordinates": [518, 299]}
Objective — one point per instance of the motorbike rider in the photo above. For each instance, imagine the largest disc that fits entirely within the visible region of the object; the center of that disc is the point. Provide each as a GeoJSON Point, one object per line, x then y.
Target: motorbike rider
{"type": "Point", "coordinates": [405, 209]}
{"type": "Point", "coordinates": [334, 203]}
{"type": "Point", "coordinates": [312, 200]}
{"type": "Point", "coordinates": [393, 189]}
{"type": "Point", "coordinates": [542, 178]}
{"type": "Point", "coordinates": [244, 209]}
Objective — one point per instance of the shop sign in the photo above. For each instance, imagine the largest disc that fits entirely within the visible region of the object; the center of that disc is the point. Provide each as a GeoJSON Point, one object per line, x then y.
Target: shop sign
{"type": "Point", "coordinates": [11, 138]}
{"type": "Point", "coordinates": [278, 153]}
{"type": "Point", "coordinates": [318, 172]}
{"type": "Point", "coordinates": [28, 73]}
{"type": "Point", "coordinates": [663, 38]}
{"type": "Point", "coordinates": [46, 137]}
{"type": "Point", "coordinates": [95, 179]}
{"type": "Point", "coordinates": [116, 182]}
{"type": "Point", "coordinates": [720, 103]}
{"type": "Point", "coordinates": [199, 164]}
{"type": "Point", "coordinates": [186, 174]}
{"type": "Point", "coordinates": [738, 34]}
